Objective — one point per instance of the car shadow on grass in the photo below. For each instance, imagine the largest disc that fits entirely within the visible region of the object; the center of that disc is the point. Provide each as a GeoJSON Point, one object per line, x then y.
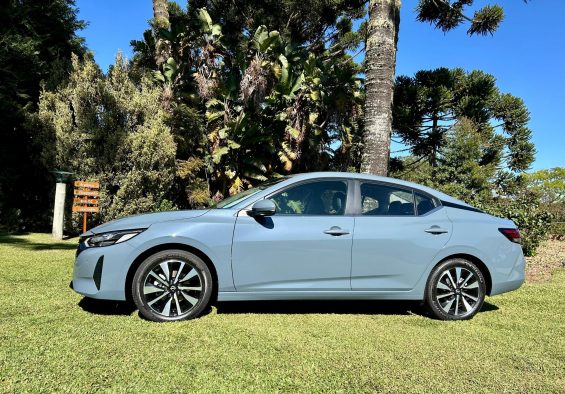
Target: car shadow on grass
{"type": "Point", "coordinates": [346, 307]}
{"type": "Point", "coordinates": [24, 243]}
{"type": "Point", "coordinates": [104, 307]}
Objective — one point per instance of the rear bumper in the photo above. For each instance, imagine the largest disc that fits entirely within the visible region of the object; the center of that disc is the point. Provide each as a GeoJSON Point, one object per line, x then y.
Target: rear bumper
{"type": "Point", "coordinates": [101, 272]}
{"type": "Point", "coordinates": [514, 280]}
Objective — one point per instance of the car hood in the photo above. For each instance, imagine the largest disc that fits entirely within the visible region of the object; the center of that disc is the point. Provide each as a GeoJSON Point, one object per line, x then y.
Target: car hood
{"type": "Point", "coordinates": [145, 220]}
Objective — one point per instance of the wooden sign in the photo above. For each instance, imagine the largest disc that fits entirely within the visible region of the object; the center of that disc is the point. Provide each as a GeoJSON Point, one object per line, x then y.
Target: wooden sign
{"type": "Point", "coordinates": [88, 185]}
{"type": "Point", "coordinates": [86, 192]}
{"type": "Point", "coordinates": [86, 199]}
{"type": "Point", "coordinates": [86, 209]}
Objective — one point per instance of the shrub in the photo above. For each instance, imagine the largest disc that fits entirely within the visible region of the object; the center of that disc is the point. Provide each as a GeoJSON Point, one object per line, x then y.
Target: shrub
{"type": "Point", "coordinates": [557, 227]}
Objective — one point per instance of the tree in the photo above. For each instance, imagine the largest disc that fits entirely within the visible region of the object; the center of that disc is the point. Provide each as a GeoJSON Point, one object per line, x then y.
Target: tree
{"type": "Point", "coordinates": [380, 61]}
{"type": "Point", "coordinates": [37, 38]}
{"type": "Point", "coordinates": [459, 169]}
{"type": "Point", "coordinates": [429, 104]}
{"type": "Point", "coordinates": [161, 21]}
{"type": "Point", "coordinates": [110, 129]}
{"type": "Point", "coordinates": [549, 186]}
{"type": "Point", "coordinates": [549, 183]}
{"type": "Point", "coordinates": [382, 33]}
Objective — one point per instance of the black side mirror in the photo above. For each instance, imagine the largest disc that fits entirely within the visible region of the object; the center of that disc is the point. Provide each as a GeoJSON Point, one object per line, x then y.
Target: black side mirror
{"type": "Point", "coordinates": [263, 208]}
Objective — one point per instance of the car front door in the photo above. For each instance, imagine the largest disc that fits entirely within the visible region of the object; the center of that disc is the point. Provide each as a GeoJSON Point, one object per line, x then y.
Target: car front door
{"type": "Point", "coordinates": [304, 246]}
{"type": "Point", "coordinates": [398, 232]}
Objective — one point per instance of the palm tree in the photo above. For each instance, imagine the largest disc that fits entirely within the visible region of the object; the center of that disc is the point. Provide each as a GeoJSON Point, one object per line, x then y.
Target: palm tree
{"type": "Point", "coordinates": [380, 62]}
{"type": "Point", "coordinates": [161, 21]}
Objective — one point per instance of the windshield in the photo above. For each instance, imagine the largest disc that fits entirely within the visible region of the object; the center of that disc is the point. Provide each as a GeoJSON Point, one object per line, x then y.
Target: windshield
{"type": "Point", "coordinates": [239, 197]}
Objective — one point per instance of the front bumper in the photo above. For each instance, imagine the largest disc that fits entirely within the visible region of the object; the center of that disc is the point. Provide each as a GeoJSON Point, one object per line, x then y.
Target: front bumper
{"type": "Point", "coordinates": [101, 272]}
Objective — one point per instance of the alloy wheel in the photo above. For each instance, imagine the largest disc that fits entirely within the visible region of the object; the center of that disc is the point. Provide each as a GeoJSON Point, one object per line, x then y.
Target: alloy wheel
{"type": "Point", "coordinates": [172, 288]}
{"type": "Point", "coordinates": [458, 291]}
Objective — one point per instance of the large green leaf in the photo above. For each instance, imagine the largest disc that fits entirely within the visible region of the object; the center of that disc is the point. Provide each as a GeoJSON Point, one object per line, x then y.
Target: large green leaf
{"type": "Point", "coordinates": [219, 153]}
{"type": "Point", "coordinates": [205, 20]}
{"type": "Point", "coordinates": [297, 84]}
{"type": "Point", "coordinates": [216, 31]}
{"type": "Point", "coordinates": [264, 39]}
{"type": "Point", "coordinates": [284, 70]}
{"type": "Point", "coordinates": [233, 145]}
{"type": "Point", "coordinates": [170, 69]}
{"type": "Point", "coordinates": [158, 76]}
{"type": "Point", "coordinates": [212, 102]}
{"type": "Point", "coordinates": [294, 133]}
{"type": "Point", "coordinates": [213, 115]}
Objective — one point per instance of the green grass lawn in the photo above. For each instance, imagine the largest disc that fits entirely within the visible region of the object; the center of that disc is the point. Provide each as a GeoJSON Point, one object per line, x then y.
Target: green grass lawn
{"type": "Point", "coordinates": [53, 341]}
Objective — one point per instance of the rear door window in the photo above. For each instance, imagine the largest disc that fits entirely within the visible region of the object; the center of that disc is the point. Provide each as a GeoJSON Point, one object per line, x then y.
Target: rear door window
{"type": "Point", "coordinates": [381, 200]}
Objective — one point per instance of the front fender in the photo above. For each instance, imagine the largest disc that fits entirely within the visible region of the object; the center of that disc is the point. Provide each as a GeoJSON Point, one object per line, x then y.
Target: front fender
{"type": "Point", "coordinates": [213, 237]}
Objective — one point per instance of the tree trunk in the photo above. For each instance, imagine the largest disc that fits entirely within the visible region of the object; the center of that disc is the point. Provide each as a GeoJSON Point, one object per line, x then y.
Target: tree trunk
{"type": "Point", "coordinates": [380, 62]}
{"type": "Point", "coordinates": [161, 21]}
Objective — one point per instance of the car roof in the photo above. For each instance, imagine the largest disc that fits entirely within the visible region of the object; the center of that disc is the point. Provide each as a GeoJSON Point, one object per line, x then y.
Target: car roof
{"type": "Point", "coordinates": [369, 177]}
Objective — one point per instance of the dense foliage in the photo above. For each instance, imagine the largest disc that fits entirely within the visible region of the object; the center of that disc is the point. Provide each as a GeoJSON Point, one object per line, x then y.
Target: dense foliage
{"type": "Point", "coordinates": [525, 211]}
{"type": "Point", "coordinates": [247, 102]}
{"type": "Point", "coordinates": [549, 186]}
{"type": "Point", "coordinates": [37, 38]}
{"type": "Point", "coordinates": [109, 129]}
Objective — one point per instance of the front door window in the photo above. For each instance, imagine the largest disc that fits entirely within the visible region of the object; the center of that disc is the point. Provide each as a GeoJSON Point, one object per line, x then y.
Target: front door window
{"type": "Point", "coordinates": [323, 198]}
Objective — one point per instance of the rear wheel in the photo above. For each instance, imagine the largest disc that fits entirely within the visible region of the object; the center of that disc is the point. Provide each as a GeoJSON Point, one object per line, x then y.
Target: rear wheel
{"type": "Point", "coordinates": [172, 285]}
{"type": "Point", "coordinates": [455, 290]}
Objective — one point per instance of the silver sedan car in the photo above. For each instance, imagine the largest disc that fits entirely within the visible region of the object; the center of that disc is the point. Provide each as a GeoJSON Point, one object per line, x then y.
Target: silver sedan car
{"type": "Point", "coordinates": [308, 236]}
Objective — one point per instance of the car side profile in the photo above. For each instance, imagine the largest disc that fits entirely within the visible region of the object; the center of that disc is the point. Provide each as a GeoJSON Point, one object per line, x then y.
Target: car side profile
{"type": "Point", "coordinates": [326, 235]}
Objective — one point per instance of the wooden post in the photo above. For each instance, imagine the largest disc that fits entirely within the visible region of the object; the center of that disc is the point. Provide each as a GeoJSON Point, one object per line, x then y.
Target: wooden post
{"type": "Point", "coordinates": [61, 177]}
{"type": "Point", "coordinates": [59, 210]}
{"type": "Point", "coordinates": [84, 222]}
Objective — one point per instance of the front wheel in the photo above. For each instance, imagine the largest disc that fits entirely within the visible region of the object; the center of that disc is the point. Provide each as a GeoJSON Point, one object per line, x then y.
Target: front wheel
{"type": "Point", "coordinates": [172, 285]}
{"type": "Point", "coordinates": [455, 290]}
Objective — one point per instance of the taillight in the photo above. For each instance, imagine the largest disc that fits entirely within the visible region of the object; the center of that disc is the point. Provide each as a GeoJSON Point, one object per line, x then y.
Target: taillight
{"type": "Point", "coordinates": [513, 234]}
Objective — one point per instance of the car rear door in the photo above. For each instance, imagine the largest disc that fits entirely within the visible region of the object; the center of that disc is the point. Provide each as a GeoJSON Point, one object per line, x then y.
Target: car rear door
{"type": "Point", "coordinates": [398, 232]}
{"type": "Point", "coordinates": [304, 246]}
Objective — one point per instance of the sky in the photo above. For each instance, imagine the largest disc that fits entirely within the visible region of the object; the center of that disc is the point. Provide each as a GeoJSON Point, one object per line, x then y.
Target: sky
{"type": "Point", "coordinates": [526, 55]}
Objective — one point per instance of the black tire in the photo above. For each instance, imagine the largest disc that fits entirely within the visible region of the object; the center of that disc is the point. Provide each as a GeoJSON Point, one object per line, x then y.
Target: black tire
{"type": "Point", "coordinates": [161, 291]}
{"type": "Point", "coordinates": [455, 290]}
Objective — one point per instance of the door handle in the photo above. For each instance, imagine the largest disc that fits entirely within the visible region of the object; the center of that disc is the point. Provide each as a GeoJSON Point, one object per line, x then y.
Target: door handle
{"type": "Point", "coordinates": [436, 230]}
{"type": "Point", "coordinates": [336, 231]}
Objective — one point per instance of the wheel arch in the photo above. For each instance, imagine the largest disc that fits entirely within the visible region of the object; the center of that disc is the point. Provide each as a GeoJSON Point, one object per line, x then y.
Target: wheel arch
{"type": "Point", "coordinates": [168, 246]}
{"type": "Point", "coordinates": [478, 262]}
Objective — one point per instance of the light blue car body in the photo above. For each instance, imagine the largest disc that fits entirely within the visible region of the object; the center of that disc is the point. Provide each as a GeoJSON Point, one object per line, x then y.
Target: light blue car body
{"type": "Point", "coordinates": [290, 256]}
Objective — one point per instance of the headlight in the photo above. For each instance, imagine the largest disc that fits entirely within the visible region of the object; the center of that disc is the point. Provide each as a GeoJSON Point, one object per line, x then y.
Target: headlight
{"type": "Point", "coordinates": [111, 238]}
